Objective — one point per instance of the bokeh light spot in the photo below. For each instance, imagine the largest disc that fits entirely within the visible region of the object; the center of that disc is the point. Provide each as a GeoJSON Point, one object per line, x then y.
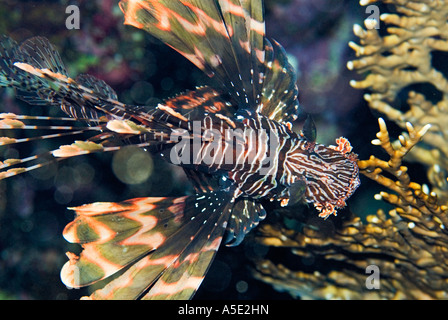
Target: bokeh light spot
{"type": "Point", "coordinates": [141, 91]}
{"type": "Point", "coordinates": [132, 165]}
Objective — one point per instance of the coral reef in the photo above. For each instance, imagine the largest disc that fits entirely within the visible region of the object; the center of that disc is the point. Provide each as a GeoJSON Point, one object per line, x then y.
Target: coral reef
{"type": "Point", "coordinates": [409, 244]}
{"type": "Point", "coordinates": [408, 63]}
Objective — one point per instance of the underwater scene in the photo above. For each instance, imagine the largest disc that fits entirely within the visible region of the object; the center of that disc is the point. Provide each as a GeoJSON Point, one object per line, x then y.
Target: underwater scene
{"type": "Point", "coordinates": [224, 149]}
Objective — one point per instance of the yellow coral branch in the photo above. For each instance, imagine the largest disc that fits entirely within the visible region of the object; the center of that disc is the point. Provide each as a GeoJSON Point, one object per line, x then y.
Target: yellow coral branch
{"type": "Point", "coordinates": [403, 56]}
{"type": "Point", "coordinates": [409, 245]}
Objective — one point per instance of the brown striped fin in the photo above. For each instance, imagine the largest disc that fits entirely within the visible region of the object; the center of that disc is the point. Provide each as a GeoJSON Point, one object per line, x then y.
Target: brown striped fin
{"type": "Point", "coordinates": [166, 243]}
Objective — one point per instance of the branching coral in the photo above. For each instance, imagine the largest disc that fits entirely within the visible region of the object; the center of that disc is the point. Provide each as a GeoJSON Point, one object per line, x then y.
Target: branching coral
{"type": "Point", "coordinates": [409, 246]}
{"type": "Point", "coordinates": [409, 199]}
{"type": "Point", "coordinates": [410, 55]}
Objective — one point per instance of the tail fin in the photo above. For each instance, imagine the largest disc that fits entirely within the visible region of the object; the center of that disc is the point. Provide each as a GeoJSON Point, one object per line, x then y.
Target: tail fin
{"type": "Point", "coordinates": [166, 244]}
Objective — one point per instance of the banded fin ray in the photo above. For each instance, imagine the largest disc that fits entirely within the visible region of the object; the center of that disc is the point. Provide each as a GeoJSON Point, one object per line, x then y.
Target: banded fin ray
{"type": "Point", "coordinates": [38, 128]}
{"type": "Point", "coordinates": [114, 235]}
{"type": "Point", "coordinates": [279, 94]}
{"type": "Point", "coordinates": [181, 280]}
{"type": "Point", "coordinates": [196, 30]}
{"type": "Point", "coordinates": [37, 51]}
{"type": "Point", "coordinates": [194, 104]}
{"type": "Point", "coordinates": [40, 53]}
{"type": "Point", "coordinates": [88, 100]}
{"type": "Point", "coordinates": [226, 40]}
{"type": "Point", "coordinates": [246, 215]}
{"type": "Point", "coordinates": [167, 252]}
{"type": "Point", "coordinates": [202, 182]}
{"type": "Point", "coordinates": [103, 140]}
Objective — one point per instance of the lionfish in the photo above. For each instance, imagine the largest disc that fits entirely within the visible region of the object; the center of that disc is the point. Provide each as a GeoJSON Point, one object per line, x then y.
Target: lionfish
{"type": "Point", "coordinates": [233, 139]}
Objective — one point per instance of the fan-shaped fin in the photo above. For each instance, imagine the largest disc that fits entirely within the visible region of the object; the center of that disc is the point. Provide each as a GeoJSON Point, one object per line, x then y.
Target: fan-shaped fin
{"type": "Point", "coordinates": [226, 40]}
{"type": "Point", "coordinates": [168, 244]}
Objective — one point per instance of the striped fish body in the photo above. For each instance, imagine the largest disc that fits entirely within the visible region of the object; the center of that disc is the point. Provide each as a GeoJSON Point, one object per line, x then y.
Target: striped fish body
{"type": "Point", "coordinates": [263, 158]}
{"type": "Point", "coordinates": [233, 139]}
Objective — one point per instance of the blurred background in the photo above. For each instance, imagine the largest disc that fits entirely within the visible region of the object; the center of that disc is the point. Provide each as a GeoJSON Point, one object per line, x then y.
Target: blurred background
{"type": "Point", "coordinates": [33, 207]}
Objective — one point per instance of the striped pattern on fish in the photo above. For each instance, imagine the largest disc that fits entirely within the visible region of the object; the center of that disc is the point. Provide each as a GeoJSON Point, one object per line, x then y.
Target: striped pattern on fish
{"type": "Point", "coordinates": [233, 138]}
